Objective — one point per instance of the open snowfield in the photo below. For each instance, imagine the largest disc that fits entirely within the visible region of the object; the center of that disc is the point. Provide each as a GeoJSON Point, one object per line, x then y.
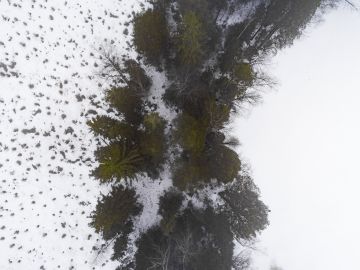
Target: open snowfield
{"type": "Point", "coordinates": [48, 89]}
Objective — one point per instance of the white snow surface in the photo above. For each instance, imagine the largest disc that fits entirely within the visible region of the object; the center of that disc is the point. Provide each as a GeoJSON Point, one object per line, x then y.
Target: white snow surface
{"type": "Point", "coordinates": [48, 65]}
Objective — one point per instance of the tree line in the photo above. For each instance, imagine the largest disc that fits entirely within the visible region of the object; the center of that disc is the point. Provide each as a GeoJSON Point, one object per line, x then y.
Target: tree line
{"type": "Point", "coordinates": [210, 52]}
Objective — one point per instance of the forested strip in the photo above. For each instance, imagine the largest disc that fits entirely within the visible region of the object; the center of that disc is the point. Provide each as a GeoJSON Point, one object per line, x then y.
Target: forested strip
{"type": "Point", "coordinates": [211, 52]}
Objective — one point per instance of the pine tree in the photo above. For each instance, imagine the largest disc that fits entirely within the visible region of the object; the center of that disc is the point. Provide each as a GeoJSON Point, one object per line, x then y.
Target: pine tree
{"type": "Point", "coordinates": [126, 102]}
{"type": "Point", "coordinates": [111, 129]}
{"type": "Point", "coordinates": [191, 39]}
{"type": "Point", "coordinates": [117, 161]}
{"type": "Point", "coordinates": [151, 35]}
{"type": "Point", "coordinates": [246, 213]}
{"type": "Point", "coordinates": [114, 211]}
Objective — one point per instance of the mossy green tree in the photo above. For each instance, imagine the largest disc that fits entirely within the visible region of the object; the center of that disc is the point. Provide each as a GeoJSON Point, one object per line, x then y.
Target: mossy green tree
{"type": "Point", "coordinates": [246, 213]}
{"type": "Point", "coordinates": [153, 142]}
{"type": "Point", "coordinates": [127, 103]}
{"type": "Point", "coordinates": [190, 39]}
{"type": "Point", "coordinates": [112, 129]}
{"type": "Point", "coordinates": [118, 160]}
{"type": "Point", "coordinates": [151, 35]}
{"type": "Point", "coordinates": [114, 212]}
{"type": "Point", "coordinates": [169, 208]}
{"type": "Point", "coordinates": [190, 133]}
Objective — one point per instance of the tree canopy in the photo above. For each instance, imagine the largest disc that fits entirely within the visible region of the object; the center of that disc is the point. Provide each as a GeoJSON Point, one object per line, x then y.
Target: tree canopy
{"type": "Point", "coordinates": [211, 54]}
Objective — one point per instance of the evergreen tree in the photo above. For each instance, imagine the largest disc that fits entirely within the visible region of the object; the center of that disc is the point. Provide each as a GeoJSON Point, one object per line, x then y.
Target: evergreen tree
{"type": "Point", "coordinates": [114, 212]}
{"type": "Point", "coordinates": [246, 213]}
{"type": "Point", "coordinates": [190, 44]}
{"type": "Point", "coordinates": [111, 129]}
{"type": "Point", "coordinates": [169, 207]}
{"type": "Point", "coordinates": [153, 143]}
{"type": "Point", "coordinates": [119, 160]}
{"type": "Point", "coordinates": [151, 35]}
{"type": "Point", "coordinates": [126, 102]}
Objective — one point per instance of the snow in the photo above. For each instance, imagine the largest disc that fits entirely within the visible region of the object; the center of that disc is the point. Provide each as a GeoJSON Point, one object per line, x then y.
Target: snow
{"type": "Point", "coordinates": [48, 64]}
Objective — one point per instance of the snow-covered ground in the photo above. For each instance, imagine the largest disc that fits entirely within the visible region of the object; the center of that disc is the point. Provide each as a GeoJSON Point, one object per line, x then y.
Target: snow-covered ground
{"type": "Point", "coordinates": [48, 89]}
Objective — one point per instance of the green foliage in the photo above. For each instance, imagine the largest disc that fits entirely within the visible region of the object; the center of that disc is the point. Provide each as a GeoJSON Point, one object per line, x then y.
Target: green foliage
{"type": "Point", "coordinates": [127, 103]}
{"type": "Point", "coordinates": [216, 113]}
{"type": "Point", "coordinates": [153, 141]}
{"type": "Point", "coordinates": [190, 173]}
{"type": "Point", "coordinates": [114, 211]}
{"type": "Point", "coordinates": [111, 129]}
{"type": "Point", "coordinates": [200, 239]}
{"type": "Point", "coordinates": [209, 64]}
{"type": "Point", "coordinates": [121, 243]}
{"type": "Point", "coordinates": [151, 35]}
{"type": "Point", "coordinates": [169, 206]}
{"type": "Point", "coordinates": [153, 144]}
{"type": "Point", "coordinates": [217, 162]}
{"type": "Point", "coordinates": [191, 133]}
{"type": "Point", "coordinates": [190, 39]}
{"type": "Point", "coordinates": [246, 213]}
{"type": "Point", "coordinates": [223, 163]}
{"type": "Point", "coordinates": [117, 161]}
{"type": "Point", "coordinates": [138, 80]}
{"type": "Point", "coordinates": [243, 72]}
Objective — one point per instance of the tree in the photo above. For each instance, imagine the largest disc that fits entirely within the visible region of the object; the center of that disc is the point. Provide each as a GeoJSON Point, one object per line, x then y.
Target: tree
{"type": "Point", "coordinates": [153, 250]}
{"type": "Point", "coordinates": [200, 239]}
{"type": "Point", "coordinates": [153, 143]}
{"type": "Point", "coordinates": [216, 114]}
{"type": "Point", "coordinates": [190, 173]}
{"type": "Point", "coordinates": [223, 163]}
{"type": "Point", "coordinates": [114, 211]}
{"type": "Point", "coordinates": [190, 39]}
{"type": "Point", "coordinates": [138, 81]}
{"type": "Point", "coordinates": [191, 133]}
{"type": "Point", "coordinates": [118, 160]}
{"type": "Point", "coordinates": [169, 207]}
{"type": "Point", "coordinates": [122, 240]}
{"type": "Point", "coordinates": [241, 261]}
{"type": "Point", "coordinates": [126, 102]}
{"type": "Point", "coordinates": [151, 35]}
{"type": "Point", "coordinates": [246, 213]}
{"type": "Point", "coordinates": [111, 129]}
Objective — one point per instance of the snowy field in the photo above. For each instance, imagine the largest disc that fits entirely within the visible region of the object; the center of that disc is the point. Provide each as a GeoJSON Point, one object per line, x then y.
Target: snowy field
{"type": "Point", "coordinates": [49, 88]}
